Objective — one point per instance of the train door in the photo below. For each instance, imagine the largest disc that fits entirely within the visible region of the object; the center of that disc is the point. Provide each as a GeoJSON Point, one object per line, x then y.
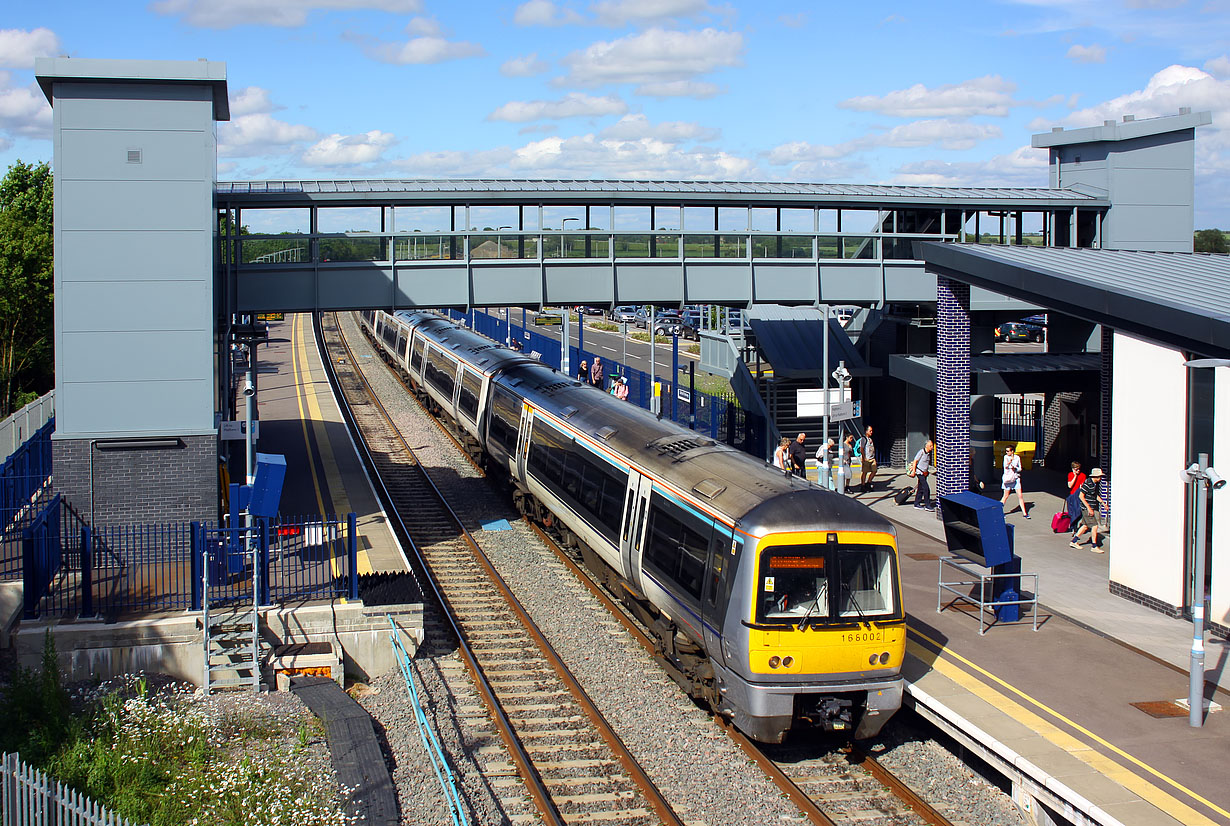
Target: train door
{"type": "Point", "coordinates": [523, 440]}
{"type": "Point", "coordinates": [631, 538]}
{"type": "Point", "coordinates": [717, 587]}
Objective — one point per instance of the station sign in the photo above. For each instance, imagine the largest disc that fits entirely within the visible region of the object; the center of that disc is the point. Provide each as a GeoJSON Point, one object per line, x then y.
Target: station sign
{"type": "Point", "coordinates": [841, 411]}
{"type": "Point", "coordinates": [684, 394]}
{"type": "Point", "coordinates": [238, 431]}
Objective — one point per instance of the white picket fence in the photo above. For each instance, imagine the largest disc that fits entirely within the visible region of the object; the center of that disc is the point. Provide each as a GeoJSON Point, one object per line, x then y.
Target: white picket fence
{"type": "Point", "coordinates": [30, 798]}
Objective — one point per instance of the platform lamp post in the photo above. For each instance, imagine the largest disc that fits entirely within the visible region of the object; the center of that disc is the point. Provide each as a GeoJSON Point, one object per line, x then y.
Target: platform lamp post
{"type": "Point", "coordinates": [1205, 479]}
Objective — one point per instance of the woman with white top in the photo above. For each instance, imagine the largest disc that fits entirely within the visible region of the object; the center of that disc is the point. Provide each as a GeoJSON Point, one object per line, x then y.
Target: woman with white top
{"type": "Point", "coordinates": [1012, 479]}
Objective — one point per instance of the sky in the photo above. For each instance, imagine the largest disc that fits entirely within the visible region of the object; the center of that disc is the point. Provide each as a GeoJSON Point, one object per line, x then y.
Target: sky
{"type": "Point", "coordinates": [937, 93]}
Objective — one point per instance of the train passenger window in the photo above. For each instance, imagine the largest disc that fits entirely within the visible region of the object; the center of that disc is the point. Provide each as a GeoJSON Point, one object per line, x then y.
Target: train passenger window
{"type": "Point", "coordinates": [401, 345]}
{"type": "Point", "coordinates": [585, 482]}
{"type": "Point", "coordinates": [677, 545]}
{"type": "Point", "coordinates": [440, 372]}
{"type": "Point", "coordinates": [467, 399]}
{"type": "Point", "coordinates": [416, 360]}
{"type": "Point", "coordinates": [504, 419]}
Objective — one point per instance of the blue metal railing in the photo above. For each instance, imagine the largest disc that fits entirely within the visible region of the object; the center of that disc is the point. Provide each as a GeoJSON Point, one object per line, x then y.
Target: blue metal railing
{"type": "Point", "coordinates": [24, 480]}
{"type": "Point", "coordinates": [42, 554]}
{"type": "Point", "coordinates": [721, 418]}
{"type": "Point", "coordinates": [444, 774]}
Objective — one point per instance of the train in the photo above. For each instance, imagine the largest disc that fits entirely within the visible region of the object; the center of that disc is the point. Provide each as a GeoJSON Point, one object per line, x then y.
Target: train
{"type": "Point", "coordinates": [774, 601]}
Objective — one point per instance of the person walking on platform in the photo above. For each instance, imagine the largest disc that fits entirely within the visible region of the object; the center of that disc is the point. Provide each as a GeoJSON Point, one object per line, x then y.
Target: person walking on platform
{"type": "Point", "coordinates": [798, 456]}
{"type": "Point", "coordinates": [583, 372]}
{"type": "Point", "coordinates": [1012, 479]}
{"type": "Point", "coordinates": [824, 462]}
{"type": "Point", "coordinates": [1090, 497]}
{"type": "Point", "coordinates": [1075, 480]}
{"type": "Point", "coordinates": [781, 456]}
{"type": "Point", "coordinates": [868, 451]}
{"type": "Point", "coordinates": [846, 474]}
{"type": "Point", "coordinates": [922, 469]}
{"type": "Point", "coordinates": [597, 374]}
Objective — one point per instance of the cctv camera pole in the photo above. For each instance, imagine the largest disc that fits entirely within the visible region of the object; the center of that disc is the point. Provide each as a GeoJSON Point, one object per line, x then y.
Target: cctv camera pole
{"type": "Point", "coordinates": [1195, 694]}
{"type": "Point", "coordinates": [827, 461]}
{"type": "Point", "coordinates": [249, 392]}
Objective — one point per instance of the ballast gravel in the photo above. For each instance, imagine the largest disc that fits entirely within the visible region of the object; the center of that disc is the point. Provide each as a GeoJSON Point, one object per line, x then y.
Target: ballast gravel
{"type": "Point", "coordinates": [705, 775]}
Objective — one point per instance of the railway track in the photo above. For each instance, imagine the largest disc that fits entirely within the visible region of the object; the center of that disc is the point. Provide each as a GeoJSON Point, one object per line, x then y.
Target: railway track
{"type": "Point", "coordinates": [830, 786]}
{"type": "Point", "coordinates": [571, 760]}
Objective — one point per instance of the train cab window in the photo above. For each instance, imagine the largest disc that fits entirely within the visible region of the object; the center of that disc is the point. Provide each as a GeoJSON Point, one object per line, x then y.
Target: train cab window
{"type": "Point", "coordinates": [677, 545]}
{"type": "Point", "coordinates": [504, 419]}
{"type": "Point", "coordinates": [416, 359]}
{"type": "Point", "coordinates": [467, 399]}
{"type": "Point", "coordinates": [865, 577]}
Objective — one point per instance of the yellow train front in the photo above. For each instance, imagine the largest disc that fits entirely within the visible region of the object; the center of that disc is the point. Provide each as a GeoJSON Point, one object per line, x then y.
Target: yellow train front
{"type": "Point", "coordinates": [816, 619]}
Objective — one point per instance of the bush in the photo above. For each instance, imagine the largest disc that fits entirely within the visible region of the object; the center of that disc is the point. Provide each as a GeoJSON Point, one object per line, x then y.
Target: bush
{"type": "Point", "coordinates": [35, 719]}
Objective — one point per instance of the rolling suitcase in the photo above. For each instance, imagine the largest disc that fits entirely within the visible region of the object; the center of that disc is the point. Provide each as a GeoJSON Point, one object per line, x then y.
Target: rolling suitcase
{"type": "Point", "coordinates": [902, 496]}
{"type": "Point", "coordinates": [1061, 522]}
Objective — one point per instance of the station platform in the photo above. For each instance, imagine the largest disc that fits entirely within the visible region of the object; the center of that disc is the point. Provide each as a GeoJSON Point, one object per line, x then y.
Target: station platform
{"type": "Point", "coordinates": [1084, 708]}
{"type": "Point", "coordinates": [300, 419]}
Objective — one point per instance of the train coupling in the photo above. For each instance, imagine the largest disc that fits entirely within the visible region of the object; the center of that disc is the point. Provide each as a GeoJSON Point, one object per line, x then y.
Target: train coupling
{"type": "Point", "coordinates": [829, 713]}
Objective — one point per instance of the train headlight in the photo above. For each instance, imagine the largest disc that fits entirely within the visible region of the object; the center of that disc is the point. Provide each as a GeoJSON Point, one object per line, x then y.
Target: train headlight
{"type": "Point", "coordinates": [787, 662]}
{"type": "Point", "coordinates": [774, 661]}
{"type": "Point", "coordinates": [873, 659]}
{"type": "Point", "coordinates": [884, 658]}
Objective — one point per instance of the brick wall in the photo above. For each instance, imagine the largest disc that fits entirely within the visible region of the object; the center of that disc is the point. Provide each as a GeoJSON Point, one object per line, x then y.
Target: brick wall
{"type": "Point", "coordinates": [952, 384]}
{"type": "Point", "coordinates": [135, 482]}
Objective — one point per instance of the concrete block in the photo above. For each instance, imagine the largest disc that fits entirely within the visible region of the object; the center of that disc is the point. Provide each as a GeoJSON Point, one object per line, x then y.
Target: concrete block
{"type": "Point", "coordinates": [12, 603]}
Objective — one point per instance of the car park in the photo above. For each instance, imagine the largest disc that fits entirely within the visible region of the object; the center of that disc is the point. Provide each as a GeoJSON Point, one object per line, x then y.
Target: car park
{"type": "Point", "coordinates": [1020, 331]}
{"type": "Point", "coordinates": [589, 310]}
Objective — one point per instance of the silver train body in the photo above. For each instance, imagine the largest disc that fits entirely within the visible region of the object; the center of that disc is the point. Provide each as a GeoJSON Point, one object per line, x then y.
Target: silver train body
{"type": "Point", "coordinates": [776, 602]}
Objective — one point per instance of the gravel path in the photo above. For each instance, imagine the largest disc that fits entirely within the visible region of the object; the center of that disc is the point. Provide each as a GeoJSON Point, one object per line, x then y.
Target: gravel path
{"type": "Point", "coordinates": [675, 741]}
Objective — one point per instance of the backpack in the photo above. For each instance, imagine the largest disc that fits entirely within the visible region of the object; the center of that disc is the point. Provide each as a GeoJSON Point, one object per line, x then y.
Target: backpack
{"type": "Point", "coordinates": [858, 448]}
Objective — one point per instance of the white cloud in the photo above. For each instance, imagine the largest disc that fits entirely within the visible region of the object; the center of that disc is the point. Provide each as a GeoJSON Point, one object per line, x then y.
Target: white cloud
{"type": "Point", "coordinates": [525, 66]}
{"type": "Point", "coordinates": [698, 89]}
{"type": "Point", "coordinates": [544, 13]}
{"type": "Point", "coordinates": [640, 12]}
{"type": "Point", "coordinates": [946, 134]}
{"type": "Point", "coordinates": [1218, 67]}
{"type": "Point", "coordinates": [654, 56]}
{"type": "Point", "coordinates": [635, 127]}
{"type": "Point", "coordinates": [18, 47]}
{"type": "Point", "coordinates": [348, 150]}
{"type": "Point", "coordinates": [420, 50]}
{"type": "Point", "coordinates": [1166, 91]}
{"type": "Point", "coordinates": [1092, 53]}
{"type": "Point", "coordinates": [423, 27]}
{"type": "Point", "coordinates": [258, 134]}
{"type": "Point", "coordinates": [457, 163]}
{"type": "Point", "coordinates": [24, 110]}
{"type": "Point", "coordinates": [829, 171]}
{"type": "Point", "coordinates": [251, 100]}
{"type": "Point", "coordinates": [573, 105]}
{"type": "Point", "coordinates": [1024, 166]}
{"type": "Point", "coordinates": [224, 14]}
{"type": "Point", "coordinates": [989, 95]}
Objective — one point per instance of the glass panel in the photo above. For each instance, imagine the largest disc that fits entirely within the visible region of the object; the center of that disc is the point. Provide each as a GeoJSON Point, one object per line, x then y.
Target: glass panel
{"type": "Point", "coordinates": [666, 218]}
{"type": "Point", "coordinates": [899, 249]}
{"type": "Point", "coordinates": [631, 246]}
{"type": "Point", "coordinates": [858, 247]}
{"type": "Point", "coordinates": [459, 218]}
{"type": "Point", "coordinates": [493, 218]}
{"type": "Point", "coordinates": [493, 246]}
{"type": "Point", "coordinates": [419, 247]}
{"type": "Point", "coordinates": [352, 249]}
{"type": "Point", "coordinates": [289, 250]}
{"type": "Point", "coordinates": [764, 219]}
{"type": "Point", "coordinates": [765, 246]}
{"type": "Point", "coordinates": [699, 219]}
{"type": "Point", "coordinates": [551, 246]}
{"type": "Point", "coordinates": [733, 246]}
{"type": "Point", "coordinates": [798, 220]}
{"type": "Point", "coordinates": [348, 219]}
{"type": "Point", "coordinates": [1031, 228]}
{"type": "Point", "coordinates": [699, 246]}
{"type": "Point", "coordinates": [865, 581]}
{"type": "Point", "coordinates": [573, 246]}
{"type": "Point", "coordinates": [563, 217]}
{"type": "Point", "coordinates": [599, 246]}
{"type": "Point", "coordinates": [599, 217]}
{"type": "Point", "coordinates": [276, 221]}
{"type": "Point", "coordinates": [529, 217]}
{"type": "Point", "coordinates": [666, 246]}
{"type": "Point", "coordinates": [859, 220]}
{"type": "Point", "coordinates": [422, 219]}
{"type": "Point", "coordinates": [796, 246]}
{"type": "Point", "coordinates": [828, 246]}
{"type": "Point", "coordinates": [633, 218]}
{"type": "Point", "coordinates": [794, 584]}
{"type": "Point", "coordinates": [826, 220]}
{"type": "Point", "coordinates": [732, 219]}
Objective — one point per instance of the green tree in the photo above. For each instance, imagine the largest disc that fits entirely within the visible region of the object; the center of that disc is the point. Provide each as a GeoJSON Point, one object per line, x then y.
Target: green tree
{"type": "Point", "coordinates": [1210, 240]}
{"type": "Point", "coordinates": [27, 365]}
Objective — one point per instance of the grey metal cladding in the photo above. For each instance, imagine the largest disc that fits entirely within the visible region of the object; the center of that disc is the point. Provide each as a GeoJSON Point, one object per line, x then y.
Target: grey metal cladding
{"type": "Point", "coordinates": [1181, 300]}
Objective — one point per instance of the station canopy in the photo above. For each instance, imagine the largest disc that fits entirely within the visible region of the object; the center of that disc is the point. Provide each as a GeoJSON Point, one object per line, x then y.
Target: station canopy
{"type": "Point", "coordinates": [791, 339]}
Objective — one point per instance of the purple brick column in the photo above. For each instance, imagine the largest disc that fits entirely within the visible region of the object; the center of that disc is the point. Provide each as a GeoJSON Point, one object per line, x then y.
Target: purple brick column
{"type": "Point", "coordinates": [1108, 364]}
{"type": "Point", "coordinates": [952, 385]}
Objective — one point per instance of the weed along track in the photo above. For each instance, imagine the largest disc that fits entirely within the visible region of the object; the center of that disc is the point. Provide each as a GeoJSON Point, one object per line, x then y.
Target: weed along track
{"type": "Point", "coordinates": [571, 760]}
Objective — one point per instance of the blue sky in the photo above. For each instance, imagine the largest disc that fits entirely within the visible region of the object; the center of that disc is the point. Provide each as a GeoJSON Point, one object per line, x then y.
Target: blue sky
{"type": "Point", "coordinates": [941, 93]}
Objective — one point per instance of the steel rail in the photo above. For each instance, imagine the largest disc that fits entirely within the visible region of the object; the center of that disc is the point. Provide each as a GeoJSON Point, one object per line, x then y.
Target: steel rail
{"type": "Point", "coordinates": [653, 795]}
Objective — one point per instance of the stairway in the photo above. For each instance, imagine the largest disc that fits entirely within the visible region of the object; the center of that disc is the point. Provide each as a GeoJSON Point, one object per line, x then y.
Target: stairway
{"type": "Point", "coordinates": [233, 648]}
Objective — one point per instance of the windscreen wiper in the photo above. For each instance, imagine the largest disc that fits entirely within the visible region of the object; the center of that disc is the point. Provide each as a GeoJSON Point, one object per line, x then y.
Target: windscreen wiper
{"type": "Point", "coordinates": [853, 601]}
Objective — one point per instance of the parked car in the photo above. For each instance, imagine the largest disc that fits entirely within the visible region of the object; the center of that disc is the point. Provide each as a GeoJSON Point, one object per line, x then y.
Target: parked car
{"type": "Point", "coordinates": [676, 327]}
{"type": "Point", "coordinates": [1020, 331]}
{"type": "Point", "coordinates": [588, 310]}
{"type": "Point", "coordinates": [625, 314]}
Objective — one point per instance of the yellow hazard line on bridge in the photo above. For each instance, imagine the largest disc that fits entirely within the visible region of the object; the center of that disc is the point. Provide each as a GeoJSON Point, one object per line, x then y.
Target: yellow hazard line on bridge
{"type": "Point", "coordinates": [306, 390]}
{"type": "Point", "coordinates": [1079, 749]}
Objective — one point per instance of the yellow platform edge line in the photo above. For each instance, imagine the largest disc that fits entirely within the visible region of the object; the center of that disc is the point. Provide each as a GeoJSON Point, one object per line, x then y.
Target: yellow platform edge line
{"type": "Point", "coordinates": [1148, 791]}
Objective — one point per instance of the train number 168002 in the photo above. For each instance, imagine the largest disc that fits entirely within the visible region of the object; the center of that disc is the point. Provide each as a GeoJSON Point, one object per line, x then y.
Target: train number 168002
{"type": "Point", "coordinates": [863, 636]}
